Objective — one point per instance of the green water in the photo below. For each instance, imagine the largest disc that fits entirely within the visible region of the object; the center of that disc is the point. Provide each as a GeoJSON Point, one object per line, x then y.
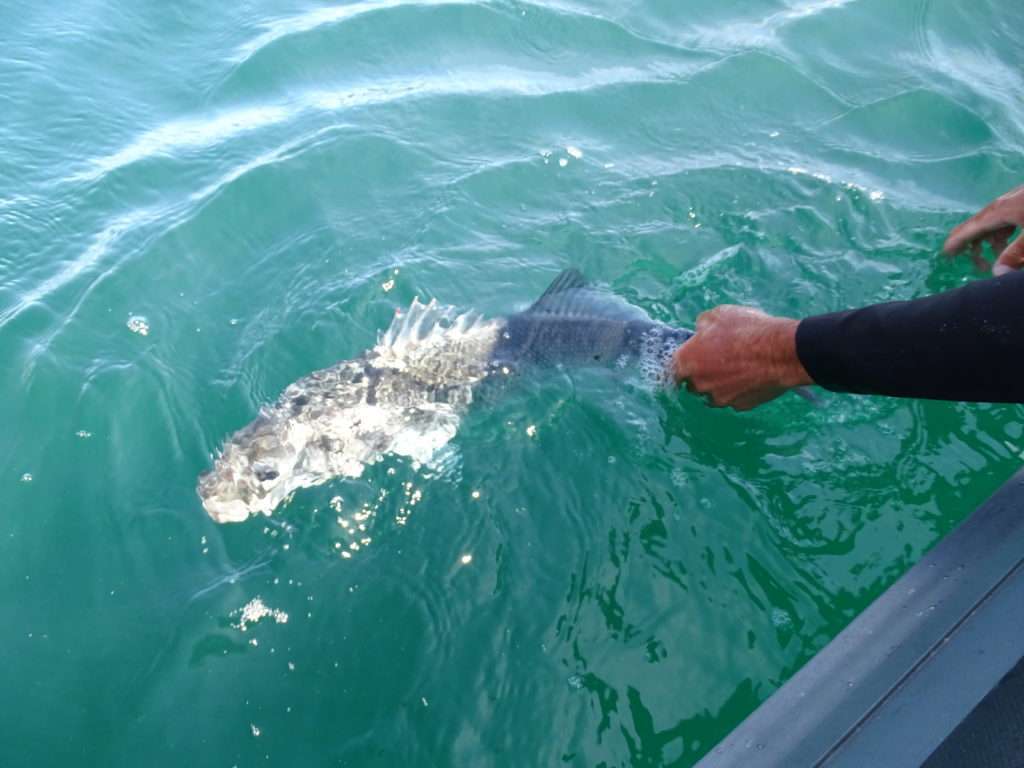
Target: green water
{"type": "Point", "coordinates": [592, 574]}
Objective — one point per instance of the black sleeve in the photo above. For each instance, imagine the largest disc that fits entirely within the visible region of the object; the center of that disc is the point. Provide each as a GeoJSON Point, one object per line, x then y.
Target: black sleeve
{"type": "Point", "coordinates": [966, 344]}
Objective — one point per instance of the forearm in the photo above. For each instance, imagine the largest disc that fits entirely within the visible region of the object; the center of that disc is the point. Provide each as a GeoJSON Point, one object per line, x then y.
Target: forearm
{"type": "Point", "coordinates": [966, 344]}
{"type": "Point", "coordinates": [776, 353]}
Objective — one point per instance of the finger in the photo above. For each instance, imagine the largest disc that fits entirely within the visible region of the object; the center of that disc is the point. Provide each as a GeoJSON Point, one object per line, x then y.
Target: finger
{"type": "Point", "coordinates": [706, 319]}
{"type": "Point", "coordinates": [696, 391]}
{"type": "Point", "coordinates": [681, 368]}
{"type": "Point", "coordinates": [749, 402]}
{"type": "Point", "coordinates": [694, 387]}
{"type": "Point", "coordinates": [1000, 238]}
{"type": "Point", "coordinates": [746, 403]}
{"type": "Point", "coordinates": [975, 228]}
{"type": "Point", "coordinates": [980, 262]}
{"type": "Point", "coordinates": [712, 401]}
{"type": "Point", "coordinates": [1011, 259]}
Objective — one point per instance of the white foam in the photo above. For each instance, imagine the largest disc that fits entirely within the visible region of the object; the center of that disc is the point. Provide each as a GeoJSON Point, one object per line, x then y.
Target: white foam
{"type": "Point", "coordinates": [256, 610]}
{"type": "Point", "coordinates": [319, 17]}
{"type": "Point", "coordinates": [138, 324]}
{"type": "Point", "coordinates": [656, 351]}
{"type": "Point", "coordinates": [204, 131]}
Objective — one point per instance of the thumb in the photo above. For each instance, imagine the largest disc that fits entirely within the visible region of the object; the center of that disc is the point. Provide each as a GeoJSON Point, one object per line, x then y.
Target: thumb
{"type": "Point", "coordinates": [681, 363]}
{"type": "Point", "coordinates": [1011, 259]}
{"type": "Point", "coordinates": [706, 319]}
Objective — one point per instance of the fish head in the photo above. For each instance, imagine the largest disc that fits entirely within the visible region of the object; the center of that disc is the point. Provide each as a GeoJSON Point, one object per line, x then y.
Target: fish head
{"type": "Point", "coordinates": [249, 475]}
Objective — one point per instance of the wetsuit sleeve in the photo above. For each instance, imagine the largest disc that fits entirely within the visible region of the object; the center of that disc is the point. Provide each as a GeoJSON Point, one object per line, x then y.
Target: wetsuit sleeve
{"type": "Point", "coordinates": [966, 344]}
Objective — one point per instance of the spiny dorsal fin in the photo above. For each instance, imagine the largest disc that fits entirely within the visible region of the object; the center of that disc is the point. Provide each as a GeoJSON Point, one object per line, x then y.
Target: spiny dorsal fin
{"type": "Point", "coordinates": [567, 280]}
{"type": "Point", "coordinates": [427, 324]}
{"type": "Point", "coordinates": [418, 321]}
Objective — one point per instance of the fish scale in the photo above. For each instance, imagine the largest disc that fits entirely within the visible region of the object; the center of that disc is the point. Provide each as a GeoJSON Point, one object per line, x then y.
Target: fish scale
{"type": "Point", "coordinates": [407, 394]}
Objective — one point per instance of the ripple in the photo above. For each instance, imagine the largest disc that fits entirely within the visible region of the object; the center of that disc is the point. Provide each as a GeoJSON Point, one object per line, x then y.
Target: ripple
{"type": "Point", "coordinates": [762, 33]}
{"type": "Point", "coordinates": [181, 135]}
{"type": "Point", "coordinates": [197, 133]}
{"type": "Point", "coordinates": [982, 73]}
{"type": "Point", "coordinates": [92, 255]}
{"type": "Point", "coordinates": [895, 123]}
{"type": "Point", "coordinates": [320, 17]}
{"type": "Point", "coordinates": [636, 572]}
{"type": "Point", "coordinates": [168, 216]}
{"type": "Point", "coordinates": [17, 200]}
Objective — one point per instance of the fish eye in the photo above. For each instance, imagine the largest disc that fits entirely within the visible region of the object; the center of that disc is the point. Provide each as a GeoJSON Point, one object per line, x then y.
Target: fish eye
{"type": "Point", "coordinates": [263, 474]}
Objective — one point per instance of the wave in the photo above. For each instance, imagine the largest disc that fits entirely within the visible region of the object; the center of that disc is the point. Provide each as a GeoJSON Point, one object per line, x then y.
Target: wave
{"type": "Point", "coordinates": [762, 33]}
{"type": "Point", "coordinates": [204, 132]}
{"type": "Point", "coordinates": [90, 257]}
{"type": "Point", "coordinates": [132, 221]}
{"type": "Point", "coordinates": [311, 20]}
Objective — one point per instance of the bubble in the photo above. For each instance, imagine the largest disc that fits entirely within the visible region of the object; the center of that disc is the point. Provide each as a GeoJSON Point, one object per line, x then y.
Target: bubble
{"type": "Point", "coordinates": [138, 324]}
{"type": "Point", "coordinates": [255, 610]}
{"type": "Point", "coordinates": [574, 152]}
{"type": "Point", "coordinates": [656, 351]}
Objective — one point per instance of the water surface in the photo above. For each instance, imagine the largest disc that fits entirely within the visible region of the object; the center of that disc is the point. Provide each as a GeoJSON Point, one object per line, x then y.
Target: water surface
{"type": "Point", "coordinates": [200, 205]}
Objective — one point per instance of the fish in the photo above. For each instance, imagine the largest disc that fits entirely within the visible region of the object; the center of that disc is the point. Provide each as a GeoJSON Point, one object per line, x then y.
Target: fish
{"type": "Point", "coordinates": [406, 395]}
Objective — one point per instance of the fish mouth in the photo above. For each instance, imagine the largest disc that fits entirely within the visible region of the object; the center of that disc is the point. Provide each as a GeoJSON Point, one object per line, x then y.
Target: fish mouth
{"type": "Point", "coordinates": [231, 511]}
{"type": "Point", "coordinates": [220, 509]}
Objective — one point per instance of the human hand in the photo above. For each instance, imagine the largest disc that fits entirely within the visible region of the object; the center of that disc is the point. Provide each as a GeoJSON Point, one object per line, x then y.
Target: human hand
{"type": "Point", "coordinates": [996, 223]}
{"type": "Point", "coordinates": [740, 357]}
